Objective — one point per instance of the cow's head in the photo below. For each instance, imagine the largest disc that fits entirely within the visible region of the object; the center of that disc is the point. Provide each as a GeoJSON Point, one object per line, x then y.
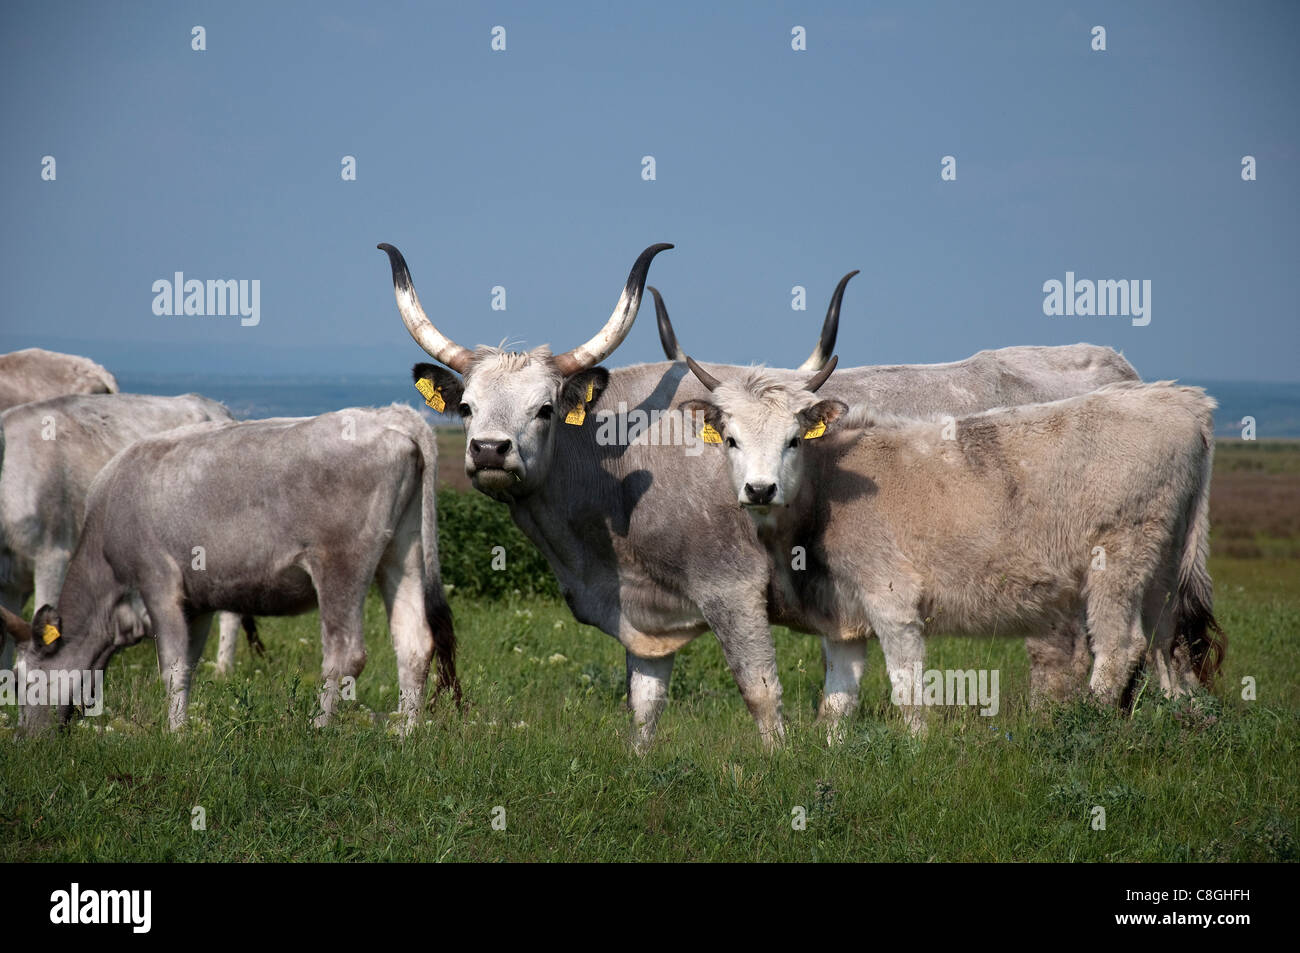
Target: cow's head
{"type": "Point", "coordinates": [84, 645]}
{"type": "Point", "coordinates": [511, 401]}
{"type": "Point", "coordinates": [762, 423]}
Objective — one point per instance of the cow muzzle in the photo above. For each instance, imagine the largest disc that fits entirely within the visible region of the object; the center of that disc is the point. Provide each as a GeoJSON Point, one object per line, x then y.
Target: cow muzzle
{"type": "Point", "coordinates": [759, 496]}
{"type": "Point", "coordinates": [492, 464]}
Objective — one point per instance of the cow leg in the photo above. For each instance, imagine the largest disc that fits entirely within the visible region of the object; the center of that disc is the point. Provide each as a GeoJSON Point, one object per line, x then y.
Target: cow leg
{"type": "Point", "coordinates": [228, 622]}
{"type": "Point", "coordinates": [1058, 662]}
{"type": "Point", "coordinates": [746, 640]}
{"type": "Point", "coordinates": [1118, 646]}
{"type": "Point", "coordinates": [199, 629]}
{"type": "Point", "coordinates": [51, 567]}
{"type": "Point", "coordinates": [343, 641]}
{"type": "Point", "coordinates": [904, 647]}
{"type": "Point", "coordinates": [1173, 668]}
{"type": "Point", "coordinates": [846, 660]}
{"type": "Point", "coordinates": [401, 580]}
{"type": "Point", "coordinates": [647, 694]}
{"type": "Point", "coordinates": [173, 635]}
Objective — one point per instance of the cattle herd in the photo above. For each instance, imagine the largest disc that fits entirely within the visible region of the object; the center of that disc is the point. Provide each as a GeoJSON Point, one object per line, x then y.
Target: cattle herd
{"type": "Point", "coordinates": [1039, 492]}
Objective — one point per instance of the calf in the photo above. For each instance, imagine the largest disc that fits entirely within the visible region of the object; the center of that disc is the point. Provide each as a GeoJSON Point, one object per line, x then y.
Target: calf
{"type": "Point", "coordinates": [992, 523]}
{"type": "Point", "coordinates": [313, 510]}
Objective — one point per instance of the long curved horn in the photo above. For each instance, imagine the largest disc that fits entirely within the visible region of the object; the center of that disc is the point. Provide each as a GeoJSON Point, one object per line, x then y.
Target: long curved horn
{"type": "Point", "coordinates": [818, 379]}
{"type": "Point", "coordinates": [15, 626]}
{"type": "Point", "coordinates": [667, 337]}
{"type": "Point", "coordinates": [619, 324]}
{"type": "Point", "coordinates": [830, 329]}
{"type": "Point", "coordinates": [438, 345]}
{"type": "Point", "coordinates": [707, 379]}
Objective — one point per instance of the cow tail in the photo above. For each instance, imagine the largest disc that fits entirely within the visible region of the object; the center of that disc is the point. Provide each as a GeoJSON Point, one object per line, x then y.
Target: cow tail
{"type": "Point", "coordinates": [436, 610]}
{"type": "Point", "coordinates": [1194, 622]}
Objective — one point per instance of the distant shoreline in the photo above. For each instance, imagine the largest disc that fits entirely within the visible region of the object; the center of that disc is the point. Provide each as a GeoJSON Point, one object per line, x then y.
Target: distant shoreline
{"type": "Point", "coordinates": [1275, 406]}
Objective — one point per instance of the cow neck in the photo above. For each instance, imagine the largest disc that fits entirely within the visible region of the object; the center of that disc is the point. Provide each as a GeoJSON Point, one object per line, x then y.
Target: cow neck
{"type": "Point", "coordinates": [86, 617]}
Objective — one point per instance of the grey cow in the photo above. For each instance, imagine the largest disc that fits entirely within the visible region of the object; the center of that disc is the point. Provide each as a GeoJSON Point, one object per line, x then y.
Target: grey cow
{"type": "Point", "coordinates": [1059, 659]}
{"type": "Point", "coordinates": [34, 374]}
{"type": "Point", "coordinates": [50, 452]}
{"type": "Point", "coordinates": [640, 545]}
{"type": "Point", "coordinates": [992, 524]}
{"type": "Point", "coordinates": [314, 509]}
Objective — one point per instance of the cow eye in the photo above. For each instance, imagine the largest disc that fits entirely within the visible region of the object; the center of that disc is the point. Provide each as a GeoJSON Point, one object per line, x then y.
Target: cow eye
{"type": "Point", "coordinates": [794, 442]}
{"type": "Point", "coordinates": [463, 410]}
{"type": "Point", "coordinates": [545, 411]}
{"type": "Point", "coordinates": [731, 442]}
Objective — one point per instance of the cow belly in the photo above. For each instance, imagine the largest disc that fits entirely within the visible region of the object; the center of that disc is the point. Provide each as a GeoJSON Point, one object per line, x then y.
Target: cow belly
{"type": "Point", "coordinates": [289, 592]}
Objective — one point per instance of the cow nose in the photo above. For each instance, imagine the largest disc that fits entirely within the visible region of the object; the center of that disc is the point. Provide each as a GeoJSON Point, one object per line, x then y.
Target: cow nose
{"type": "Point", "coordinates": [760, 493]}
{"type": "Point", "coordinates": [489, 453]}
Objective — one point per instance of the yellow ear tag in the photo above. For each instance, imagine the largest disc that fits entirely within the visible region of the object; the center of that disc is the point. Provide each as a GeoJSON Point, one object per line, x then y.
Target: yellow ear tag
{"type": "Point", "coordinates": [709, 435]}
{"type": "Point", "coordinates": [51, 634]}
{"type": "Point", "coordinates": [815, 432]}
{"type": "Point", "coordinates": [432, 395]}
{"type": "Point", "coordinates": [579, 413]}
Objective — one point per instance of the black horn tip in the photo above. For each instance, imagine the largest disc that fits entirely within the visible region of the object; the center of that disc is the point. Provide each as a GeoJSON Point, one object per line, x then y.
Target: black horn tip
{"type": "Point", "coordinates": [819, 378]}
{"type": "Point", "coordinates": [401, 273]}
{"type": "Point", "coordinates": [644, 259]}
{"type": "Point", "coordinates": [704, 377]}
{"type": "Point", "coordinates": [667, 337]}
{"type": "Point", "coordinates": [839, 289]}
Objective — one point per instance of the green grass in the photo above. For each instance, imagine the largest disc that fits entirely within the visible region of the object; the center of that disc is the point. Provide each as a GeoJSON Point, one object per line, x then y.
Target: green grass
{"type": "Point", "coordinates": [1210, 778]}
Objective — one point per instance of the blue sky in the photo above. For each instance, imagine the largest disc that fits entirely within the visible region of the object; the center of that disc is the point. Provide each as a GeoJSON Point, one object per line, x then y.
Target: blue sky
{"type": "Point", "coordinates": [774, 168]}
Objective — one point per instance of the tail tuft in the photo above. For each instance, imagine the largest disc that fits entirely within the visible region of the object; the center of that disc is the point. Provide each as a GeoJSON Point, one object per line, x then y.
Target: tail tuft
{"type": "Point", "coordinates": [1199, 632]}
{"type": "Point", "coordinates": [438, 614]}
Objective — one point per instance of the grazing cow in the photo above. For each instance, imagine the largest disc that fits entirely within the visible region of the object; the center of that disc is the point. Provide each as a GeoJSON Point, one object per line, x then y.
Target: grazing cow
{"type": "Point", "coordinates": [313, 510]}
{"type": "Point", "coordinates": [50, 452]}
{"type": "Point", "coordinates": [34, 374]}
{"type": "Point", "coordinates": [640, 546]}
{"type": "Point", "coordinates": [990, 524]}
{"type": "Point", "coordinates": [1060, 659]}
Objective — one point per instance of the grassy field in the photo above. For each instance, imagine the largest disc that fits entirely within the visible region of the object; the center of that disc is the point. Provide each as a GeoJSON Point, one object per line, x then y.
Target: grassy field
{"type": "Point", "coordinates": [1210, 778]}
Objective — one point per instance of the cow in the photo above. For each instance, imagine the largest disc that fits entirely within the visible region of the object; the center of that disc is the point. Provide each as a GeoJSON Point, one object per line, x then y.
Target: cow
{"type": "Point", "coordinates": [34, 374]}
{"type": "Point", "coordinates": [990, 524]}
{"type": "Point", "coordinates": [50, 452]}
{"type": "Point", "coordinates": [313, 511]}
{"type": "Point", "coordinates": [640, 546]}
{"type": "Point", "coordinates": [1059, 660]}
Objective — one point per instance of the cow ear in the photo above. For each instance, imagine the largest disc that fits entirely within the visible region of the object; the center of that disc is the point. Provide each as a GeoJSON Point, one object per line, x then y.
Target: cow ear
{"type": "Point", "coordinates": [704, 418]}
{"type": "Point", "coordinates": [580, 392]}
{"type": "Point", "coordinates": [440, 388]}
{"type": "Point", "coordinates": [817, 418]}
{"type": "Point", "coordinates": [47, 631]}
